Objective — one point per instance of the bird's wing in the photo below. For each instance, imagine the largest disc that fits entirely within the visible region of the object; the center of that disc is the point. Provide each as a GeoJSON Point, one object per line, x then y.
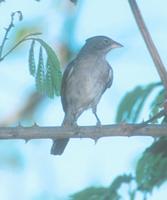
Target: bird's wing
{"type": "Point", "coordinates": [67, 73]}
{"type": "Point", "coordinates": [110, 76]}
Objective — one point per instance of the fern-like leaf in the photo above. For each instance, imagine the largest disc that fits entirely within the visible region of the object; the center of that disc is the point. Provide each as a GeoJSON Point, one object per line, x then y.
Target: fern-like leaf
{"type": "Point", "coordinates": [133, 102]}
{"type": "Point", "coordinates": [151, 167]}
{"type": "Point", "coordinates": [116, 184]}
{"type": "Point", "coordinates": [91, 193]}
{"type": "Point", "coordinates": [32, 66]}
{"type": "Point", "coordinates": [54, 74]}
{"type": "Point", "coordinates": [40, 76]}
{"type": "Point", "coordinates": [49, 82]}
{"type": "Point", "coordinates": [156, 103]}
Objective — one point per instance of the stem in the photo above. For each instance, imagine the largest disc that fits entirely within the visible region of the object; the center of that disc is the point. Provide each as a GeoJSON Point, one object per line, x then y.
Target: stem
{"type": "Point", "coordinates": [149, 42]}
{"type": "Point", "coordinates": [8, 29]}
{"type": "Point", "coordinates": [17, 44]}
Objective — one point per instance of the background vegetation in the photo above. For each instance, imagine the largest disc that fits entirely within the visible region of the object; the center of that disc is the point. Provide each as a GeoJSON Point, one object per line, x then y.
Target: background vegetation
{"type": "Point", "coordinates": [44, 64]}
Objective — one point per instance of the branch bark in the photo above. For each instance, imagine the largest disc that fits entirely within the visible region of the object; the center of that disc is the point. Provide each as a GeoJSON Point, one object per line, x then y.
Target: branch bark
{"type": "Point", "coordinates": [149, 42]}
{"type": "Point", "coordinates": [92, 132]}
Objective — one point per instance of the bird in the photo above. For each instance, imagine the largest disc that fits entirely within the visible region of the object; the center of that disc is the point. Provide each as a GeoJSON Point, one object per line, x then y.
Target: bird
{"type": "Point", "coordinates": [84, 81]}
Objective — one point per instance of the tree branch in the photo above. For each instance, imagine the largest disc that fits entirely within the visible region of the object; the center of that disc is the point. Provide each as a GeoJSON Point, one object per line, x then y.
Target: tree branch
{"type": "Point", "coordinates": [93, 132]}
{"type": "Point", "coordinates": [149, 42]}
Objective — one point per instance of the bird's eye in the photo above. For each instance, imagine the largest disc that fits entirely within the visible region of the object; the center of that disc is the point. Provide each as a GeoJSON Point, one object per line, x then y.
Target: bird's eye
{"type": "Point", "coordinates": [106, 41]}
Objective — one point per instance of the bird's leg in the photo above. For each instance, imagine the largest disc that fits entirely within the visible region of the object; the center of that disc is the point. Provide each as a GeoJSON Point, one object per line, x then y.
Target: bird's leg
{"type": "Point", "coordinates": [74, 124]}
{"type": "Point", "coordinates": [98, 123]}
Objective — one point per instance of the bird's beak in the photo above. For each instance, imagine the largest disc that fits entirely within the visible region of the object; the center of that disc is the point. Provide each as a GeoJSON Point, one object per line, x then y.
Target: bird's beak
{"type": "Point", "coordinates": [116, 45]}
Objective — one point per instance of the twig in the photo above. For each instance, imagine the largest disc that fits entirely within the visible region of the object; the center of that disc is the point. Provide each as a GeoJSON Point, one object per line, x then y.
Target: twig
{"type": "Point", "coordinates": [149, 42]}
{"type": "Point", "coordinates": [160, 114]}
{"type": "Point", "coordinates": [8, 29]}
{"type": "Point", "coordinates": [92, 132]}
{"type": "Point", "coordinates": [25, 38]}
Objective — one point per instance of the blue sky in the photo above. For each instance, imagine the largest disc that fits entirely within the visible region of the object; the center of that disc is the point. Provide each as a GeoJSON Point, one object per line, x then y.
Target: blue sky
{"type": "Point", "coordinates": [83, 164]}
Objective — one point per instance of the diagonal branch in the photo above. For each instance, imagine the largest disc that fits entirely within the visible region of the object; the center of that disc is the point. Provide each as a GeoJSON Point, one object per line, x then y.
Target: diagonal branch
{"type": "Point", "coordinates": [92, 132]}
{"type": "Point", "coordinates": [149, 42]}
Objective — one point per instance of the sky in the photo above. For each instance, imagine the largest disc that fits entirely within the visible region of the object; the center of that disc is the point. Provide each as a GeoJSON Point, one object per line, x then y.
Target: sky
{"type": "Point", "coordinates": [83, 164]}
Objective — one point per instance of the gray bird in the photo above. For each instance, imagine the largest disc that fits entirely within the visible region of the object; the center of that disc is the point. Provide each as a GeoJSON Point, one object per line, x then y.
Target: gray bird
{"type": "Point", "coordinates": [84, 81]}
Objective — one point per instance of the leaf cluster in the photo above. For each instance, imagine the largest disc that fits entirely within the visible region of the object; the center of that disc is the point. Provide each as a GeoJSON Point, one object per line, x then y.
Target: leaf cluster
{"type": "Point", "coordinates": [151, 168]}
{"type": "Point", "coordinates": [133, 102]}
{"type": "Point", "coordinates": [102, 193]}
{"type": "Point", "coordinates": [46, 69]}
{"type": "Point", "coordinates": [47, 74]}
{"type": "Point", "coordinates": [150, 171]}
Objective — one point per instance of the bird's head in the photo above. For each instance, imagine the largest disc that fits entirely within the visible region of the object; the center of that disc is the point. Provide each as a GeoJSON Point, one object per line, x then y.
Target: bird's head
{"type": "Point", "coordinates": [100, 45]}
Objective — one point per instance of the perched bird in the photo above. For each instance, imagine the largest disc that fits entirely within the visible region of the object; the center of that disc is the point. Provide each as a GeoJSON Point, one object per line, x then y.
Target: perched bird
{"type": "Point", "coordinates": [84, 81]}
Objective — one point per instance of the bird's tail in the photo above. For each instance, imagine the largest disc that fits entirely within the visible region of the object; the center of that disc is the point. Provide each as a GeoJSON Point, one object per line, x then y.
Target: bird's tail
{"type": "Point", "coordinates": [59, 145]}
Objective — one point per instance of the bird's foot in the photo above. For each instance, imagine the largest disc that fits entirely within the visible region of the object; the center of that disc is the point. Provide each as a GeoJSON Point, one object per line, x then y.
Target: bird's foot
{"type": "Point", "coordinates": [97, 129]}
{"type": "Point", "coordinates": [77, 130]}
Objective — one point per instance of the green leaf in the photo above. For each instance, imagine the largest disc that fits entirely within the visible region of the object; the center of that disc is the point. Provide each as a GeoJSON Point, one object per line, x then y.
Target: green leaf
{"type": "Point", "coordinates": [132, 194]}
{"type": "Point", "coordinates": [119, 180]}
{"type": "Point", "coordinates": [155, 105]}
{"type": "Point", "coordinates": [101, 193]}
{"type": "Point", "coordinates": [49, 83]}
{"type": "Point", "coordinates": [133, 102]}
{"type": "Point", "coordinates": [53, 65]}
{"type": "Point", "coordinates": [40, 76]}
{"type": "Point", "coordinates": [32, 66]}
{"type": "Point", "coordinates": [116, 184]}
{"type": "Point", "coordinates": [151, 168]}
{"type": "Point", "coordinates": [11, 158]}
{"type": "Point", "coordinates": [49, 76]}
{"type": "Point", "coordinates": [91, 193]}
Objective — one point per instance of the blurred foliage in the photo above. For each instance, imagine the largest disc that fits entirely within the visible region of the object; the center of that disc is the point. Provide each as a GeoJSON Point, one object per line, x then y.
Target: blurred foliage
{"type": "Point", "coordinates": [151, 168]}
{"type": "Point", "coordinates": [68, 46]}
{"type": "Point", "coordinates": [157, 102]}
{"type": "Point", "coordinates": [74, 1]}
{"type": "Point", "coordinates": [11, 159]}
{"type": "Point", "coordinates": [5, 0]}
{"type": "Point", "coordinates": [44, 66]}
{"type": "Point", "coordinates": [113, 192]}
{"type": "Point", "coordinates": [25, 29]}
{"type": "Point", "coordinates": [101, 193]}
{"type": "Point", "coordinates": [133, 102]}
{"type": "Point", "coordinates": [92, 193]}
{"type": "Point", "coordinates": [26, 112]}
